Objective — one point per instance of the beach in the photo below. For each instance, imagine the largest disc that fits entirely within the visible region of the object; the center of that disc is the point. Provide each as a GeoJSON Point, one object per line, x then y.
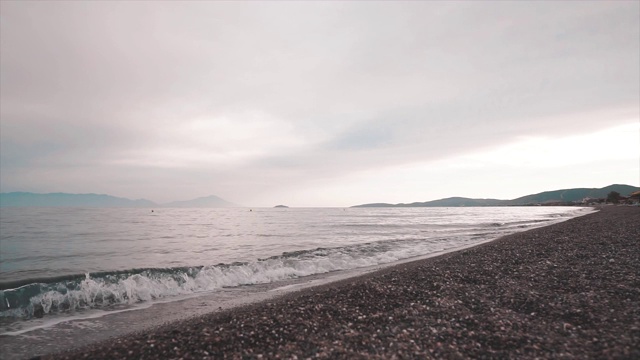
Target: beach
{"type": "Point", "coordinates": [569, 290]}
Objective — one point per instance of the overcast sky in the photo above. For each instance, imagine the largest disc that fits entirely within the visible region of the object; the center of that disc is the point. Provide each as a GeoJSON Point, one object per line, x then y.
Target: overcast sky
{"type": "Point", "coordinates": [318, 104]}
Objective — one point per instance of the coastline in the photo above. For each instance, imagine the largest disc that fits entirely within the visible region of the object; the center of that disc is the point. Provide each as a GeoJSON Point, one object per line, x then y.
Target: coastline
{"type": "Point", "coordinates": [567, 290]}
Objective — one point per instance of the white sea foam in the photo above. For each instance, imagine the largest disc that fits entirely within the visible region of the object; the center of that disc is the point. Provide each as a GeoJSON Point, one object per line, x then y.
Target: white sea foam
{"type": "Point", "coordinates": [152, 284]}
{"type": "Point", "coordinates": [126, 288]}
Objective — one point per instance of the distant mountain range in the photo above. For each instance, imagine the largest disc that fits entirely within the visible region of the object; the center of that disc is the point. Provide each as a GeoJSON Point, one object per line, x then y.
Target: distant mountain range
{"type": "Point", "coordinates": [556, 196]}
{"type": "Point", "coordinates": [202, 202]}
{"type": "Point", "coordinates": [25, 199]}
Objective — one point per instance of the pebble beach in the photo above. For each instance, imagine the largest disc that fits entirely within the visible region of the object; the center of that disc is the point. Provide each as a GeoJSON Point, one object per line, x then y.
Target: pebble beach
{"type": "Point", "coordinates": [569, 290]}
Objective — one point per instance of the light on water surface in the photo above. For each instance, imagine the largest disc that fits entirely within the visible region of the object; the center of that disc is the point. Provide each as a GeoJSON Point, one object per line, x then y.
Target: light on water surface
{"type": "Point", "coordinates": [59, 261]}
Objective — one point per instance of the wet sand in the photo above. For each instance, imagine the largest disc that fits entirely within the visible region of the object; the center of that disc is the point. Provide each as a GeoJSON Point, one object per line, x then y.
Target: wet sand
{"type": "Point", "coordinates": [570, 290]}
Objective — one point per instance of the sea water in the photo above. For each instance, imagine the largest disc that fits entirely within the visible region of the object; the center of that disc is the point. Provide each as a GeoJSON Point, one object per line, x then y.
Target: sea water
{"type": "Point", "coordinates": [61, 265]}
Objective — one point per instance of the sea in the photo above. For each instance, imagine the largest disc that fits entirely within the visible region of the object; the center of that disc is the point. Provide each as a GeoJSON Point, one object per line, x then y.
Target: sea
{"type": "Point", "coordinates": [84, 274]}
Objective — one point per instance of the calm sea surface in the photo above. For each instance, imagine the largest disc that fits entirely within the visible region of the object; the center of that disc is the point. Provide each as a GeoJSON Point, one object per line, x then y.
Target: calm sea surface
{"type": "Point", "coordinates": [61, 261]}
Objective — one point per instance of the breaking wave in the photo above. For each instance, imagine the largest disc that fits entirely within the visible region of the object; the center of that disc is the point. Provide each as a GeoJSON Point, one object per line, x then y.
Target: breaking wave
{"type": "Point", "coordinates": [38, 297]}
{"type": "Point", "coordinates": [95, 290]}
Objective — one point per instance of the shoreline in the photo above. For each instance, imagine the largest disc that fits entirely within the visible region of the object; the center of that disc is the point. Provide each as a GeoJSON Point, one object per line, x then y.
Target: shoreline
{"type": "Point", "coordinates": [523, 295]}
{"type": "Point", "coordinates": [50, 329]}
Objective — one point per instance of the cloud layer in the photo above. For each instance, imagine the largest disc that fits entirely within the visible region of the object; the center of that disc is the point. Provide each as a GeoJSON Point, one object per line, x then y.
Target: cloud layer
{"type": "Point", "coordinates": [246, 100]}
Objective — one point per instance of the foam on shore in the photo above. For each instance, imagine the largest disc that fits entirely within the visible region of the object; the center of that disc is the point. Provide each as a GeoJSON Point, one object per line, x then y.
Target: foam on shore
{"type": "Point", "coordinates": [546, 292]}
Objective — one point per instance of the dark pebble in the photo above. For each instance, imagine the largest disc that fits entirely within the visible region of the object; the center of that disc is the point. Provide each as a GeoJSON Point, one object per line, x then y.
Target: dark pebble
{"type": "Point", "coordinates": [570, 290]}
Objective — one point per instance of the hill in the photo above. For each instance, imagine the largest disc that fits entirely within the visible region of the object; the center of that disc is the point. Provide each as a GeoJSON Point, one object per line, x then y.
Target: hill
{"type": "Point", "coordinates": [27, 199]}
{"type": "Point", "coordinates": [448, 202]}
{"type": "Point", "coordinates": [556, 196]}
{"type": "Point", "coordinates": [211, 201]}
{"type": "Point", "coordinates": [569, 195]}
{"type": "Point", "coordinates": [24, 199]}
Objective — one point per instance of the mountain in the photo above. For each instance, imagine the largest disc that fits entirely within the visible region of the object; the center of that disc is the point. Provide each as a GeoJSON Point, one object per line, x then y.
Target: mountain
{"type": "Point", "coordinates": [202, 202]}
{"type": "Point", "coordinates": [23, 199]}
{"type": "Point", "coordinates": [457, 201]}
{"type": "Point", "coordinates": [568, 195]}
{"type": "Point", "coordinates": [448, 202]}
{"type": "Point", "coordinates": [556, 196]}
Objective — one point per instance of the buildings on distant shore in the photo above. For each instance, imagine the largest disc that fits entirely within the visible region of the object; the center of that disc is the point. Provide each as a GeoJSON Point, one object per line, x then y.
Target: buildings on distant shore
{"type": "Point", "coordinates": [635, 194]}
{"type": "Point", "coordinates": [632, 199]}
{"type": "Point", "coordinates": [593, 201]}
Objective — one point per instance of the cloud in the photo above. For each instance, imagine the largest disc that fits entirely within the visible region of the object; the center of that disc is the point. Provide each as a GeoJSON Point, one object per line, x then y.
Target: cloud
{"type": "Point", "coordinates": [241, 99]}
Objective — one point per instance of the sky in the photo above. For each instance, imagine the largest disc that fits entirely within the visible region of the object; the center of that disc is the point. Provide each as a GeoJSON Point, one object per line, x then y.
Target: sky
{"type": "Point", "coordinates": [318, 103]}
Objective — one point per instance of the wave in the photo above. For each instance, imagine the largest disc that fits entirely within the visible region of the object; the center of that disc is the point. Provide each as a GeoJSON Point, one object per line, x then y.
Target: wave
{"type": "Point", "coordinates": [26, 299]}
{"type": "Point", "coordinates": [38, 297]}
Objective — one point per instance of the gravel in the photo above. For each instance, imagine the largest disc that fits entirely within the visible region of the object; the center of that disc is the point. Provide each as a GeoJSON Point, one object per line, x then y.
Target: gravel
{"type": "Point", "coordinates": [570, 290]}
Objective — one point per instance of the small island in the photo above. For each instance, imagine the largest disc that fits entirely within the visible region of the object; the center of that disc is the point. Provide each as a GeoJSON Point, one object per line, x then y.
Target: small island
{"type": "Point", "coordinates": [281, 206]}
